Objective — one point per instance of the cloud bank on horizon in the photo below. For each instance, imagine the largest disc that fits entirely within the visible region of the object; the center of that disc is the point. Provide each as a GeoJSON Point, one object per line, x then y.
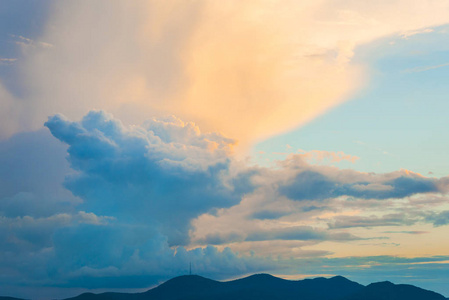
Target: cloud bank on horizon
{"type": "Point", "coordinates": [125, 200]}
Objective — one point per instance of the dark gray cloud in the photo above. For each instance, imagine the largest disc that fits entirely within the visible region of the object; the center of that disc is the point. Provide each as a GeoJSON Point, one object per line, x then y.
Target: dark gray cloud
{"type": "Point", "coordinates": [408, 232]}
{"type": "Point", "coordinates": [296, 233]}
{"type": "Point", "coordinates": [268, 215]}
{"type": "Point", "coordinates": [372, 221]}
{"type": "Point", "coordinates": [438, 219]}
{"type": "Point", "coordinates": [72, 251]}
{"type": "Point", "coordinates": [302, 233]}
{"type": "Point", "coordinates": [313, 185]}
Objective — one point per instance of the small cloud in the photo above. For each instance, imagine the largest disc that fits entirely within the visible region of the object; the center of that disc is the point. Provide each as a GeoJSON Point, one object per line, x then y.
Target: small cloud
{"type": "Point", "coordinates": [439, 219]}
{"type": "Point", "coordinates": [372, 187]}
{"type": "Point", "coordinates": [268, 215]}
{"type": "Point", "coordinates": [93, 219]}
{"type": "Point", "coordinates": [313, 208]}
{"type": "Point", "coordinates": [299, 233]}
{"type": "Point", "coordinates": [426, 68]}
{"type": "Point", "coordinates": [326, 156]}
{"type": "Point", "coordinates": [322, 184]}
{"type": "Point", "coordinates": [408, 232]}
{"type": "Point", "coordinates": [405, 35]}
{"type": "Point", "coordinates": [371, 221]}
{"type": "Point", "coordinates": [25, 42]}
{"type": "Point", "coordinates": [381, 245]}
{"type": "Point", "coordinates": [7, 61]}
{"type": "Point", "coordinates": [280, 153]}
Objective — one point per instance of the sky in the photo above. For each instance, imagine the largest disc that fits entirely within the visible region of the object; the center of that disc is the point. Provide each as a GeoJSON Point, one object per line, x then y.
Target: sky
{"type": "Point", "coordinates": [296, 138]}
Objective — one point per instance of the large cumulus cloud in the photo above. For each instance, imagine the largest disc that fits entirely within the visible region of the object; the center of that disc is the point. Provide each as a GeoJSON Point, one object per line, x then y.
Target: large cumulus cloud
{"type": "Point", "coordinates": [165, 172]}
{"type": "Point", "coordinates": [128, 196]}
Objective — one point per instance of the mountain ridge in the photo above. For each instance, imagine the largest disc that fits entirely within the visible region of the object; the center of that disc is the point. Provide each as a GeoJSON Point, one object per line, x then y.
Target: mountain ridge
{"type": "Point", "coordinates": [265, 286]}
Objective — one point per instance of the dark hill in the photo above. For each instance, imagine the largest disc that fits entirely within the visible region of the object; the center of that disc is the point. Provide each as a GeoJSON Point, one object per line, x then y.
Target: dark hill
{"type": "Point", "coordinates": [260, 287]}
{"type": "Point", "coordinates": [190, 287]}
{"type": "Point", "coordinates": [388, 291]}
{"type": "Point", "coordinates": [267, 287]}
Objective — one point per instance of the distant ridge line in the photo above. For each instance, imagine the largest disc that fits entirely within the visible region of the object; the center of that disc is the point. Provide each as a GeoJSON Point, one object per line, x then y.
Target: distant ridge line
{"type": "Point", "coordinates": [268, 287]}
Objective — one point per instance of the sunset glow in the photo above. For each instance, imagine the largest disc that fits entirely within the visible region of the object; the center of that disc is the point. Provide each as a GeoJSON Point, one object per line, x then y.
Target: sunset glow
{"type": "Point", "coordinates": [297, 138]}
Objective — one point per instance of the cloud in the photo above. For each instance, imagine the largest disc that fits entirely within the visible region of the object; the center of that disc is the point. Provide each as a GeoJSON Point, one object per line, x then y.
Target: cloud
{"type": "Point", "coordinates": [298, 201]}
{"type": "Point", "coordinates": [439, 219]}
{"type": "Point", "coordinates": [294, 233]}
{"type": "Point", "coordinates": [26, 43]}
{"type": "Point", "coordinates": [204, 61]}
{"type": "Point", "coordinates": [7, 61]}
{"type": "Point", "coordinates": [299, 233]}
{"type": "Point", "coordinates": [166, 171]}
{"type": "Point", "coordinates": [35, 234]}
{"type": "Point", "coordinates": [32, 169]}
{"type": "Point", "coordinates": [408, 232]}
{"type": "Point", "coordinates": [247, 70]}
{"type": "Point", "coordinates": [426, 68]}
{"type": "Point", "coordinates": [137, 188]}
{"type": "Point", "coordinates": [72, 251]}
{"type": "Point", "coordinates": [372, 221]}
{"type": "Point", "coordinates": [12, 113]}
{"type": "Point", "coordinates": [407, 34]}
{"type": "Point", "coordinates": [148, 200]}
{"type": "Point", "coordinates": [268, 214]}
{"type": "Point", "coordinates": [318, 184]}
{"type": "Point", "coordinates": [319, 156]}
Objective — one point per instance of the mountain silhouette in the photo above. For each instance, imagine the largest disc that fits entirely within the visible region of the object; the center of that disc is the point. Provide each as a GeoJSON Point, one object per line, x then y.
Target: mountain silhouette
{"type": "Point", "coordinates": [268, 287]}
{"type": "Point", "coordinates": [388, 291]}
{"type": "Point", "coordinates": [260, 286]}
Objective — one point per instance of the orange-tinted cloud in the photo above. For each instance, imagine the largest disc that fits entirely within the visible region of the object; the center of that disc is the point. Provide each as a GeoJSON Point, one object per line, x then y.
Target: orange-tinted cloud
{"type": "Point", "coordinates": [248, 69]}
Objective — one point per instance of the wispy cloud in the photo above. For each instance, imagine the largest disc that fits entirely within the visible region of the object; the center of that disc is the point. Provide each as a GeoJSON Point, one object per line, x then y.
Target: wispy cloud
{"type": "Point", "coordinates": [7, 61]}
{"type": "Point", "coordinates": [426, 68]}
{"type": "Point", "coordinates": [408, 34]}
{"type": "Point", "coordinates": [25, 42]}
{"type": "Point", "coordinates": [372, 221]}
{"type": "Point", "coordinates": [323, 156]}
{"type": "Point", "coordinates": [408, 232]}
